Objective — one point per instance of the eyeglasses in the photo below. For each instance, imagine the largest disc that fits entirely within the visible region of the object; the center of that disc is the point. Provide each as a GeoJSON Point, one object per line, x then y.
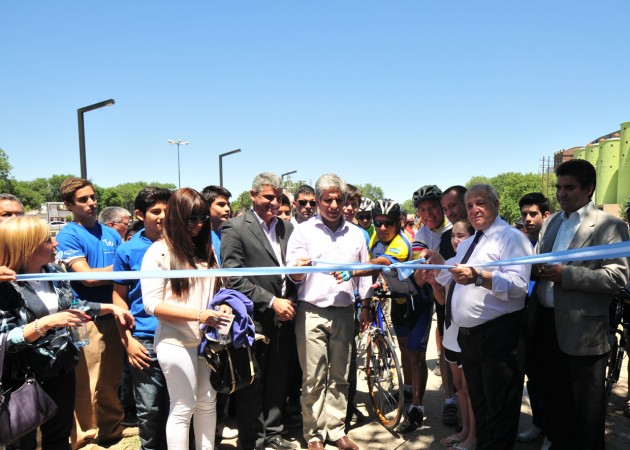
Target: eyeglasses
{"type": "Point", "coordinates": [364, 216]}
{"type": "Point", "coordinates": [387, 223]}
{"type": "Point", "coordinates": [196, 219]}
{"type": "Point", "coordinates": [121, 222]}
{"type": "Point", "coordinates": [313, 203]}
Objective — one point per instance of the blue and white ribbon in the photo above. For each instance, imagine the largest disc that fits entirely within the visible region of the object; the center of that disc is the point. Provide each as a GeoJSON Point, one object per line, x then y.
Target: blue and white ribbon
{"type": "Point", "coordinates": [405, 269]}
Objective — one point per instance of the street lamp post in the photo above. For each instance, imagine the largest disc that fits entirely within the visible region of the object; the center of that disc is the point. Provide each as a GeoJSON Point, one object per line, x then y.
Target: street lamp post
{"type": "Point", "coordinates": [80, 112]}
{"type": "Point", "coordinates": [238, 150]}
{"type": "Point", "coordinates": [286, 174]}
{"type": "Point", "coordinates": [178, 143]}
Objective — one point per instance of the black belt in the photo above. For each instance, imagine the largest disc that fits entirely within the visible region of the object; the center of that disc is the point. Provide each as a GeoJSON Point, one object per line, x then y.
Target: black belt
{"type": "Point", "coordinates": [490, 323]}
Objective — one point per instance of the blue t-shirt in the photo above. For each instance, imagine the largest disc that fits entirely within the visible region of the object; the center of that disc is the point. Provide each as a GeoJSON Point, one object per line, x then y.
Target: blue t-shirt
{"type": "Point", "coordinates": [216, 244]}
{"type": "Point", "coordinates": [129, 258]}
{"type": "Point", "coordinates": [98, 246]}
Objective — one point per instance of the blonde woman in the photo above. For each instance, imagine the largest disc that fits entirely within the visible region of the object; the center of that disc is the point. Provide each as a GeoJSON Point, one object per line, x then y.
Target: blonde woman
{"type": "Point", "coordinates": [35, 315]}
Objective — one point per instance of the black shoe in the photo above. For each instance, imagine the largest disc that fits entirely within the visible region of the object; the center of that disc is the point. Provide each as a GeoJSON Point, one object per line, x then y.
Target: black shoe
{"type": "Point", "coordinates": [412, 421]}
{"type": "Point", "coordinates": [279, 443]}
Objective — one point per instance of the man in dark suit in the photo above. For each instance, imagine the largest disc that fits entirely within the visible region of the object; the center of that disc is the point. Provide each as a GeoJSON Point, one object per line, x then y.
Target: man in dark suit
{"type": "Point", "coordinates": [259, 239]}
{"type": "Point", "coordinates": [571, 322]}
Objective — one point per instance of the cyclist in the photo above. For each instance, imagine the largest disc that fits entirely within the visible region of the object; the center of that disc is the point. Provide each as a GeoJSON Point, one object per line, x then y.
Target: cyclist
{"type": "Point", "coordinates": [411, 308]}
{"type": "Point", "coordinates": [434, 235]}
{"type": "Point", "coordinates": [364, 216]}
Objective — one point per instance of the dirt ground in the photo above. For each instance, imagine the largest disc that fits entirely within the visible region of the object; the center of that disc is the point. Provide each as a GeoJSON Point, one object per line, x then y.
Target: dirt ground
{"type": "Point", "coordinates": [371, 435]}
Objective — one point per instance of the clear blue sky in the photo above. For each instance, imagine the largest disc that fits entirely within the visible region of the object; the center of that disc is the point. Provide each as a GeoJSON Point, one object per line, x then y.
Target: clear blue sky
{"type": "Point", "coordinates": [394, 93]}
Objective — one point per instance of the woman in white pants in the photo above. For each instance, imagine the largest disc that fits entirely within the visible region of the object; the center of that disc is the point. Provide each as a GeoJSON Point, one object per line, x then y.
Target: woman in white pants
{"type": "Point", "coordinates": [180, 305]}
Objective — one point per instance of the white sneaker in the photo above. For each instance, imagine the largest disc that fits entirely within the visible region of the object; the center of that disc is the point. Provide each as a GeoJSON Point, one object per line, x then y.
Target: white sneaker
{"type": "Point", "coordinates": [530, 435]}
{"type": "Point", "coordinates": [230, 433]}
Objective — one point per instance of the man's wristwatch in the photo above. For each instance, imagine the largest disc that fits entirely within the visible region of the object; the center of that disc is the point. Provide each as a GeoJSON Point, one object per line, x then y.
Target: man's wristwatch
{"type": "Point", "coordinates": [479, 280]}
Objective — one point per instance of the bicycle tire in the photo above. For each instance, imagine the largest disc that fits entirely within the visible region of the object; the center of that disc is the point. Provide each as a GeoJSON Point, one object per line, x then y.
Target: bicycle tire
{"type": "Point", "coordinates": [617, 341]}
{"type": "Point", "coordinates": [384, 377]}
{"type": "Point", "coordinates": [611, 370]}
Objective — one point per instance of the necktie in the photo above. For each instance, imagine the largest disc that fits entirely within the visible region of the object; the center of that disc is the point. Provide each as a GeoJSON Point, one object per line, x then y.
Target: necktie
{"type": "Point", "coordinates": [447, 313]}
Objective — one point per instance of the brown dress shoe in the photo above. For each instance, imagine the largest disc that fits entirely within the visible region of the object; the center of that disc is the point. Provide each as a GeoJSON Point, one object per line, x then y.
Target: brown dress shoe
{"type": "Point", "coordinates": [346, 444]}
{"type": "Point", "coordinates": [316, 445]}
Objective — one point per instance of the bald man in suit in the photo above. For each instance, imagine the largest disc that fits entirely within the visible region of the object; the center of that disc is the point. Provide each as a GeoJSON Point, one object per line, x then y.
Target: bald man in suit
{"type": "Point", "coordinates": [571, 319]}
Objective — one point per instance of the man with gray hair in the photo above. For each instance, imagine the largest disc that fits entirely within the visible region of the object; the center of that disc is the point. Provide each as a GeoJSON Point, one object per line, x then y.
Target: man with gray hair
{"type": "Point", "coordinates": [10, 206]}
{"type": "Point", "coordinates": [259, 239]}
{"type": "Point", "coordinates": [488, 306]}
{"type": "Point", "coordinates": [324, 321]}
{"type": "Point", "coordinates": [117, 218]}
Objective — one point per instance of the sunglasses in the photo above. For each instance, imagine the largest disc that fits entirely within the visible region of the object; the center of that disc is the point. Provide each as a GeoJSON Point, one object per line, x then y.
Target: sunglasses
{"type": "Point", "coordinates": [313, 203]}
{"type": "Point", "coordinates": [387, 223]}
{"type": "Point", "coordinates": [364, 216]}
{"type": "Point", "coordinates": [196, 219]}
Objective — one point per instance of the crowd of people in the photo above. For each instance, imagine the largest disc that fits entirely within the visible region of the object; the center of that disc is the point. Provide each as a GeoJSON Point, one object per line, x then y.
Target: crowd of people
{"type": "Point", "coordinates": [142, 365]}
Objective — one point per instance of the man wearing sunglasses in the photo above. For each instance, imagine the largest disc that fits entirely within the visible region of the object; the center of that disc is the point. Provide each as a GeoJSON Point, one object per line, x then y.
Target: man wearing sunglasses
{"type": "Point", "coordinates": [411, 308]}
{"type": "Point", "coordinates": [304, 204]}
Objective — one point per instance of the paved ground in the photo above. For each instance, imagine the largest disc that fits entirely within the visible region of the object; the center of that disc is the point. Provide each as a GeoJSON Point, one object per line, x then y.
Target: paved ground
{"type": "Point", "coordinates": [371, 435]}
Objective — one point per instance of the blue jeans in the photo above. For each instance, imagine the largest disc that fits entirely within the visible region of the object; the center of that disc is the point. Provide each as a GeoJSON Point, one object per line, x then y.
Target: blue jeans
{"type": "Point", "coordinates": [152, 401]}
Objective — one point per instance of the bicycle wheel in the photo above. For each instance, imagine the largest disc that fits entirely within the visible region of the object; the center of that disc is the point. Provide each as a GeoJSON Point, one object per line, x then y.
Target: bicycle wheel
{"type": "Point", "coordinates": [384, 377]}
{"type": "Point", "coordinates": [614, 367]}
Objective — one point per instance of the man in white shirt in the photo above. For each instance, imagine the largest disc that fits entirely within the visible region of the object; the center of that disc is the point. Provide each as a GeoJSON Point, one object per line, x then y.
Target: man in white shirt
{"type": "Point", "coordinates": [571, 321]}
{"type": "Point", "coordinates": [487, 305]}
{"type": "Point", "coordinates": [325, 313]}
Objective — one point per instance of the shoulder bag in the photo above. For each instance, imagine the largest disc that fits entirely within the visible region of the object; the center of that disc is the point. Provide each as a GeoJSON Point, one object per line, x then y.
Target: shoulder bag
{"type": "Point", "coordinates": [24, 409]}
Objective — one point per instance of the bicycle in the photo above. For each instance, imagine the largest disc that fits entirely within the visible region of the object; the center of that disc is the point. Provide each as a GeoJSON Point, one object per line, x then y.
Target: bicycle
{"type": "Point", "coordinates": [618, 335]}
{"type": "Point", "coordinates": [382, 367]}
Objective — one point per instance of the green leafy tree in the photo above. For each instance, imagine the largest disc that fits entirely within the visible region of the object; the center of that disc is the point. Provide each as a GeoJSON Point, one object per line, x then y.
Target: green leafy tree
{"type": "Point", "coordinates": [124, 195]}
{"type": "Point", "coordinates": [244, 200]}
{"type": "Point", "coordinates": [5, 173]}
{"type": "Point", "coordinates": [31, 194]}
{"type": "Point", "coordinates": [370, 191]}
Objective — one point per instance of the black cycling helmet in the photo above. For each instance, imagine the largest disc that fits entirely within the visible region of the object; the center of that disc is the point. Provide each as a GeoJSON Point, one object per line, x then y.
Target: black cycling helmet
{"type": "Point", "coordinates": [366, 205]}
{"type": "Point", "coordinates": [428, 192]}
{"type": "Point", "coordinates": [387, 208]}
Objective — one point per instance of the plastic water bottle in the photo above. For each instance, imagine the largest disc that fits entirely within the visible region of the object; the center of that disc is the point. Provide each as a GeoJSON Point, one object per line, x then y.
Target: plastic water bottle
{"type": "Point", "coordinates": [80, 333]}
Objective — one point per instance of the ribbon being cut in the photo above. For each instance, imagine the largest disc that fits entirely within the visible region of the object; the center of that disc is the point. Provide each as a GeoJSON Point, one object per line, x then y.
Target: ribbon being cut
{"type": "Point", "coordinates": [620, 249]}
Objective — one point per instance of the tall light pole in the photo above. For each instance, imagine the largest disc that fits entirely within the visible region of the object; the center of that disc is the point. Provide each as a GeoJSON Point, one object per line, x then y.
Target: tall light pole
{"type": "Point", "coordinates": [80, 112]}
{"type": "Point", "coordinates": [238, 150]}
{"type": "Point", "coordinates": [178, 142]}
{"type": "Point", "coordinates": [286, 174]}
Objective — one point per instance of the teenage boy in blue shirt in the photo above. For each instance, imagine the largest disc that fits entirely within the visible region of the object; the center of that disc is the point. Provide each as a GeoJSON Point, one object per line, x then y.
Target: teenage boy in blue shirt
{"type": "Point", "coordinates": [87, 246]}
{"type": "Point", "coordinates": [152, 402]}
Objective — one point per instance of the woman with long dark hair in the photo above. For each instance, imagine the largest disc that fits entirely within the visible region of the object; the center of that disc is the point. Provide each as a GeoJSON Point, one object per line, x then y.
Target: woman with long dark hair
{"type": "Point", "coordinates": [180, 306]}
{"type": "Point", "coordinates": [36, 316]}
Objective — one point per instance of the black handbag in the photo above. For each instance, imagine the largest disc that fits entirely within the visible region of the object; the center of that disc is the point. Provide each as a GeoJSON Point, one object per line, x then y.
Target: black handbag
{"type": "Point", "coordinates": [231, 368]}
{"type": "Point", "coordinates": [24, 409]}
